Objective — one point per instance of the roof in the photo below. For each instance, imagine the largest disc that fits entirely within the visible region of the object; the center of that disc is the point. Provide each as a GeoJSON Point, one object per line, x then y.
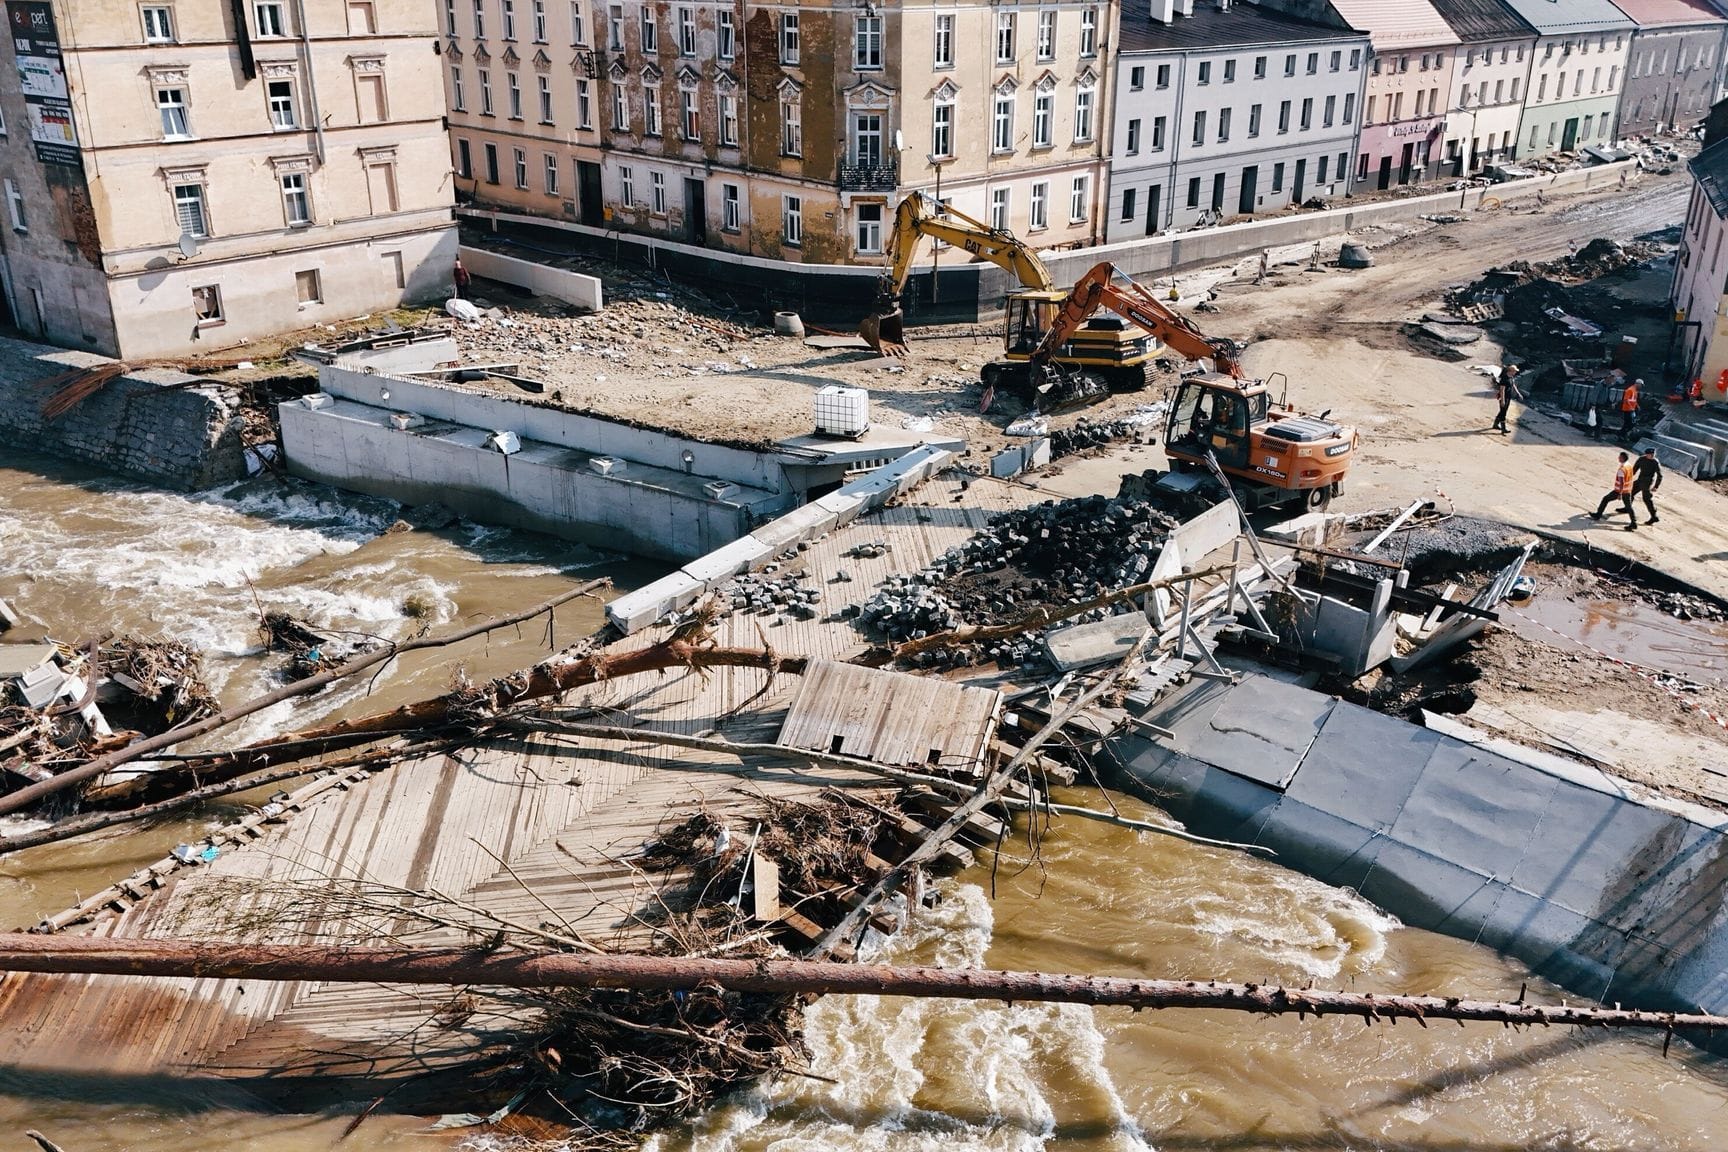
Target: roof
{"type": "Point", "coordinates": [1397, 24]}
{"type": "Point", "coordinates": [1477, 20]}
{"type": "Point", "coordinates": [1710, 169]}
{"type": "Point", "coordinates": [1654, 13]}
{"type": "Point", "coordinates": [1568, 17]}
{"type": "Point", "coordinates": [1242, 25]}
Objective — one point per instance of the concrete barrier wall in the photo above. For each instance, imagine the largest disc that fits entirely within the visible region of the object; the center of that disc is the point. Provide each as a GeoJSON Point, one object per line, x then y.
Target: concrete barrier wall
{"type": "Point", "coordinates": [1592, 885]}
{"type": "Point", "coordinates": [535, 421]}
{"type": "Point", "coordinates": [540, 279]}
{"type": "Point", "coordinates": [146, 424]}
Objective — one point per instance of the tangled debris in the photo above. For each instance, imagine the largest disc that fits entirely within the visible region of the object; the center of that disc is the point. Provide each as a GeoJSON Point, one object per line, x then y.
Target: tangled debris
{"type": "Point", "coordinates": [311, 650]}
{"type": "Point", "coordinates": [1049, 555]}
{"type": "Point", "coordinates": [165, 680]}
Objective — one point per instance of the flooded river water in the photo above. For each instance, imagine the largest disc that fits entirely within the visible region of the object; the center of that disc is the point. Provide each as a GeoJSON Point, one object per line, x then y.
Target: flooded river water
{"type": "Point", "coordinates": [79, 554]}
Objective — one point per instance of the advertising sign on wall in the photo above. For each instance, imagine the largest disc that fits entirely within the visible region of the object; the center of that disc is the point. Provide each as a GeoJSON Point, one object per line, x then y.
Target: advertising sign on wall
{"type": "Point", "coordinates": [42, 76]}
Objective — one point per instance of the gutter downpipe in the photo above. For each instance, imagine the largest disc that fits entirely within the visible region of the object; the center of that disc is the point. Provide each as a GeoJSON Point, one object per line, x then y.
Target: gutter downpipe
{"type": "Point", "coordinates": [311, 80]}
{"type": "Point", "coordinates": [1176, 142]}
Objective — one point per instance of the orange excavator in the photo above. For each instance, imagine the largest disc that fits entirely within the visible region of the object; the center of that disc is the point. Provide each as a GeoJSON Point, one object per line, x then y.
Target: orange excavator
{"type": "Point", "coordinates": [1274, 454]}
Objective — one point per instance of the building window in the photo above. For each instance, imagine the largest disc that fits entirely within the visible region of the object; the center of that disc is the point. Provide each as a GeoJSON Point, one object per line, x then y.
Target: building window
{"type": "Point", "coordinates": [1089, 31]}
{"type": "Point", "coordinates": [869, 229]}
{"type": "Point", "coordinates": [515, 93]}
{"type": "Point", "coordinates": [1362, 166]}
{"type": "Point", "coordinates": [686, 31]}
{"type": "Point", "coordinates": [1200, 127]}
{"type": "Point", "coordinates": [620, 110]}
{"type": "Point", "coordinates": [372, 105]}
{"type": "Point", "coordinates": [539, 21]}
{"type": "Point", "coordinates": [1254, 121]}
{"type": "Point", "coordinates": [207, 305]}
{"type": "Point", "coordinates": [1047, 34]}
{"type": "Point", "coordinates": [1002, 125]}
{"type": "Point", "coordinates": [458, 98]}
{"type": "Point", "coordinates": [15, 205]}
{"type": "Point", "coordinates": [1223, 125]}
{"type": "Point", "coordinates": [485, 92]}
{"type": "Point", "coordinates": [1324, 161]}
{"type": "Point", "coordinates": [1194, 191]}
{"type": "Point", "coordinates": [171, 102]}
{"type": "Point", "coordinates": [729, 220]}
{"type": "Point", "coordinates": [1335, 62]}
{"type": "Point", "coordinates": [296, 206]}
{"type": "Point", "coordinates": [650, 30]}
{"type": "Point", "coordinates": [942, 128]}
{"type": "Point", "coordinates": [545, 99]}
{"type": "Point", "coordinates": [999, 209]}
{"type": "Point", "coordinates": [1368, 112]}
{"type": "Point", "coordinates": [1229, 71]}
{"type": "Point", "coordinates": [1284, 116]}
{"type": "Point", "coordinates": [1163, 76]}
{"type": "Point", "coordinates": [270, 19]}
{"type": "Point", "coordinates": [464, 160]}
{"type": "Point", "coordinates": [651, 109]}
{"type": "Point", "coordinates": [479, 19]}
{"type": "Point", "coordinates": [521, 166]}
{"type": "Point", "coordinates": [1205, 72]}
{"type": "Point", "coordinates": [1133, 137]}
{"type": "Point", "coordinates": [578, 24]}
{"type": "Point", "coordinates": [792, 220]}
{"type": "Point", "coordinates": [508, 10]}
{"type": "Point", "coordinates": [1128, 205]}
{"type": "Point", "coordinates": [1083, 99]}
{"type": "Point", "coordinates": [1356, 58]}
{"type": "Point", "coordinates": [867, 43]}
{"type": "Point", "coordinates": [158, 25]}
{"type": "Point", "coordinates": [491, 163]}
{"type": "Point", "coordinates": [725, 34]}
{"type": "Point", "coordinates": [944, 41]}
{"type": "Point", "coordinates": [189, 209]}
{"type": "Point", "coordinates": [627, 187]}
{"type": "Point", "coordinates": [1259, 67]}
{"type": "Point", "coordinates": [584, 105]}
{"type": "Point", "coordinates": [791, 126]}
{"type": "Point", "coordinates": [657, 193]}
{"type": "Point", "coordinates": [308, 287]}
{"type": "Point", "coordinates": [615, 28]}
{"type": "Point", "coordinates": [1158, 134]}
{"type": "Point", "coordinates": [1136, 79]}
{"type": "Point", "coordinates": [1290, 64]}
{"type": "Point", "coordinates": [1349, 106]}
{"type": "Point", "coordinates": [1004, 37]}
{"type": "Point", "coordinates": [1331, 110]}
{"type": "Point", "coordinates": [788, 37]}
{"type": "Point", "coordinates": [1039, 214]}
{"type": "Point", "coordinates": [450, 17]}
{"type": "Point", "coordinates": [1043, 119]}
{"type": "Point", "coordinates": [1078, 209]}
{"type": "Point", "coordinates": [1277, 179]}
{"type": "Point", "coordinates": [728, 119]}
{"type": "Point", "coordinates": [692, 117]}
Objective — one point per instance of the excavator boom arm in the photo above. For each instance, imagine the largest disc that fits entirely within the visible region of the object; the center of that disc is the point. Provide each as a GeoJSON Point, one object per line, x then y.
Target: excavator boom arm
{"type": "Point", "coordinates": [1101, 288]}
{"type": "Point", "coordinates": [920, 215]}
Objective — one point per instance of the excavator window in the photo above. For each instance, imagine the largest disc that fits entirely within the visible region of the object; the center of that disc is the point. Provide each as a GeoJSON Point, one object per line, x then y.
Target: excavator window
{"type": "Point", "coordinates": [1026, 325]}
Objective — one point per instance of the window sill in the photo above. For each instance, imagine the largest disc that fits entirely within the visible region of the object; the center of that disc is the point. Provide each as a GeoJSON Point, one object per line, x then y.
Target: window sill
{"type": "Point", "coordinates": [490, 115]}
{"type": "Point", "coordinates": [516, 119]}
{"type": "Point", "coordinates": [549, 123]}
{"type": "Point", "coordinates": [216, 323]}
{"type": "Point", "coordinates": [731, 231]}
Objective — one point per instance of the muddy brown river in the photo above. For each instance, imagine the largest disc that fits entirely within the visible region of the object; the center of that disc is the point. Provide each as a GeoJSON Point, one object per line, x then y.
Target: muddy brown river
{"type": "Point", "coordinates": [80, 554]}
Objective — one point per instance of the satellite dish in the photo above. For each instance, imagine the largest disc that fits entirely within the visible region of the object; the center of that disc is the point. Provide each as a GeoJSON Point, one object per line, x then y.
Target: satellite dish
{"type": "Point", "coordinates": [188, 246]}
{"type": "Point", "coordinates": [899, 141]}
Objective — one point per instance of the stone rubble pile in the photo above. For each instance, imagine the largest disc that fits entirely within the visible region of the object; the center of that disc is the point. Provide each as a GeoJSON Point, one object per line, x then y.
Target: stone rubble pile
{"type": "Point", "coordinates": [1086, 434]}
{"type": "Point", "coordinates": [1052, 555]}
{"type": "Point", "coordinates": [774, 592]}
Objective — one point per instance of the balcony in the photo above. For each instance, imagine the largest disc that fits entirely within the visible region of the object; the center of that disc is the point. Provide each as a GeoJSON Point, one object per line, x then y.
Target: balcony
{"type": "Point", "coordinates": [869, 177]}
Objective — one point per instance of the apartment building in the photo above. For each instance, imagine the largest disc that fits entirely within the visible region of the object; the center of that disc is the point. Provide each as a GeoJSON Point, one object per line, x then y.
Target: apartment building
{"type": "Point", "coordinates": [1674, 66]}
{"type": "Point", "coordinates": [184, 177]}
{"type": "Point", "coordinates": [1229, 110]}
{"type": "Point", "coordinates": [1577, 76]}
{"type": "Point", "coordinates": [1487, 97]}
{"type": "Point", "coordinates": [1409, 82]}
{"type": "Point", "coordinates": [1697, 293]}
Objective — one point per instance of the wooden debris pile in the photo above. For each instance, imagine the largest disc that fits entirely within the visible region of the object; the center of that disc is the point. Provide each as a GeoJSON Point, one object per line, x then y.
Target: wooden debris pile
{"type": "Point", "coordinates": [163, 683]}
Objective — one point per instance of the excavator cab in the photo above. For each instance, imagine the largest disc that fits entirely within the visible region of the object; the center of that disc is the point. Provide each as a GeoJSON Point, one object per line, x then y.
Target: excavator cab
{"type": "Point", "coordinates": [1029, 316]}
{"type": "Point", "coordinates": [1215, 413]}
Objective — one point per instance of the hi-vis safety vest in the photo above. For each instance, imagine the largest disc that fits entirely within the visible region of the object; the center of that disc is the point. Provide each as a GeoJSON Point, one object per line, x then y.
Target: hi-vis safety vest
{"type": "Point", "coordinates": [1629, 399]}
{"type": "Point", "coordinates": [1623, 479]}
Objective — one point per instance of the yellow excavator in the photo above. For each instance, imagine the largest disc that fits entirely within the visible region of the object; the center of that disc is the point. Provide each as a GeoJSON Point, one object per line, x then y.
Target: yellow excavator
{"type": "Point", "coordinates": [1117, 354]}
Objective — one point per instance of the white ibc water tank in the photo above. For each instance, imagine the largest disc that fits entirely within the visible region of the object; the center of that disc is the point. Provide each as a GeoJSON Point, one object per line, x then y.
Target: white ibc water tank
{"type": "Point", "coordinates": [842, 411]}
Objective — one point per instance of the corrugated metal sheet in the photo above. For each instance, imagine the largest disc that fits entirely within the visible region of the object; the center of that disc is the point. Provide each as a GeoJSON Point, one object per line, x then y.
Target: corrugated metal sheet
{"type": "Point", "coordinates": [1394, 25]}
{"type": "Point", "coordinates": [1567, 17]}
{"type": "Point", "coordinates": [1479, 20]}
{"type": "Point", "coordinates": [891, 718]}
{"type": "Point", "coordinates": [1655, 13]}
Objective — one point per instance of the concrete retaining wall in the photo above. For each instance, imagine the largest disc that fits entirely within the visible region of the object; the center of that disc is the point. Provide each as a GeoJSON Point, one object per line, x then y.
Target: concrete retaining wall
{"type": "Point", "coordinates": [540, 279]}
{"type": "Point", "coordinates": [143, 424]}
{"type": "Point", "coordinates": [840, 293]}
{"type": "Point", "coordinates": [1609, 893]}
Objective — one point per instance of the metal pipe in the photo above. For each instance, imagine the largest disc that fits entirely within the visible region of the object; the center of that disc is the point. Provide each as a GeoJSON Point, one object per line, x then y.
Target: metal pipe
{"type": "Point", "coordinates": [311, 80]}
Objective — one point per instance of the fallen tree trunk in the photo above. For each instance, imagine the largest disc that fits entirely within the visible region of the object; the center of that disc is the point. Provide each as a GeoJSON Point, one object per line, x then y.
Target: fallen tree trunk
{"type": "Point", "coordinates": [30, 794]}
{"type": "Point", "coordinates": [26, 952]}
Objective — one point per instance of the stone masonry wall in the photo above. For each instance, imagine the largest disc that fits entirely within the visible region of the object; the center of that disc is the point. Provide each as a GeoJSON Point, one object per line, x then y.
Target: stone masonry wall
{"type": "Point", "coordinates": [147, 424]}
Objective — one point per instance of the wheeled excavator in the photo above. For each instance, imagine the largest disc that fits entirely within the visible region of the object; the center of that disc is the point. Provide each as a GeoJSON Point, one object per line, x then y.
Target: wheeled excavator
{"type": "Point", "coordinates": [1117, 355]}
{"type": "Point", "coordinates": [1272, 453]}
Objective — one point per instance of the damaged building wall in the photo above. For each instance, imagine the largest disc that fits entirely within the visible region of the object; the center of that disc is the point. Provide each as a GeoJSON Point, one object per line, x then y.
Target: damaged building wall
{"type": "Point", "coordinates": [148, 424]}
{"type": "Point", "coordinates": [1673, 75]}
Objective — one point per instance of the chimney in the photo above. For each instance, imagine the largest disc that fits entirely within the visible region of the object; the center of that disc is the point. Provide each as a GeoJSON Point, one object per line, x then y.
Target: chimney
{"type": "Point", "coordinates": [1184, 7]}
{"type": "Point", "coordinates": [1163, 10]}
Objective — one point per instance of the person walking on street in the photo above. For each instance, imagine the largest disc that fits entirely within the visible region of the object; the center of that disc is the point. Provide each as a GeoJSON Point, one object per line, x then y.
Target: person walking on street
{"type": "Point", "coordinates": [462, 280]}
{"type": "Point", "coordinates": [1622, 492]}
{"type": "Point", "coordinates": [1629, 409]}
{"type": "Point", "coordinates": [1646, 479]}
{"type": "Point", "coordinates": [1606, 396]}
{"type": "Point", "coordinates": [1504, 391]}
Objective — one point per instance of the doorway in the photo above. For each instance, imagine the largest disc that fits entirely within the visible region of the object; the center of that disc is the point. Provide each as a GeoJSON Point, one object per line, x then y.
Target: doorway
{"type": "Point", "coordinates": [1250, 177]}
{"type": "Point", "coordinates": [695, 211]}
{"type": "Point", "coordinates": [1405, 160]}
{"type": "Point", "coordinates": [1385, 181]}
{"type": "Point", "coordinates": [1301, 180]}
{"type": "Point", "coordinates": [867, 139]}
{"type": "Point", "coordinates": [1154, 194]}
{"type": "Point", "coordinates": [1569, 138]}
{"type": "Point", "coordinates": [588, 194]}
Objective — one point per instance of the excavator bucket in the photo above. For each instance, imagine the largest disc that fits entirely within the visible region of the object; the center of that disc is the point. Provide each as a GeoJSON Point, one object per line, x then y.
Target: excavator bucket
{"type": "Point", "coordinates": [886, 333]}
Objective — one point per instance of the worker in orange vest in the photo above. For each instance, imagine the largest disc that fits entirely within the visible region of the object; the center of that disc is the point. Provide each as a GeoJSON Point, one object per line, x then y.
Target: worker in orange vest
{"type": "Point", "coordinates": [1629, 409]}
{"type": "Point", "coordinates": [1696, 392]}
{"type": "Point", "coordinates": [1622, 492]}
